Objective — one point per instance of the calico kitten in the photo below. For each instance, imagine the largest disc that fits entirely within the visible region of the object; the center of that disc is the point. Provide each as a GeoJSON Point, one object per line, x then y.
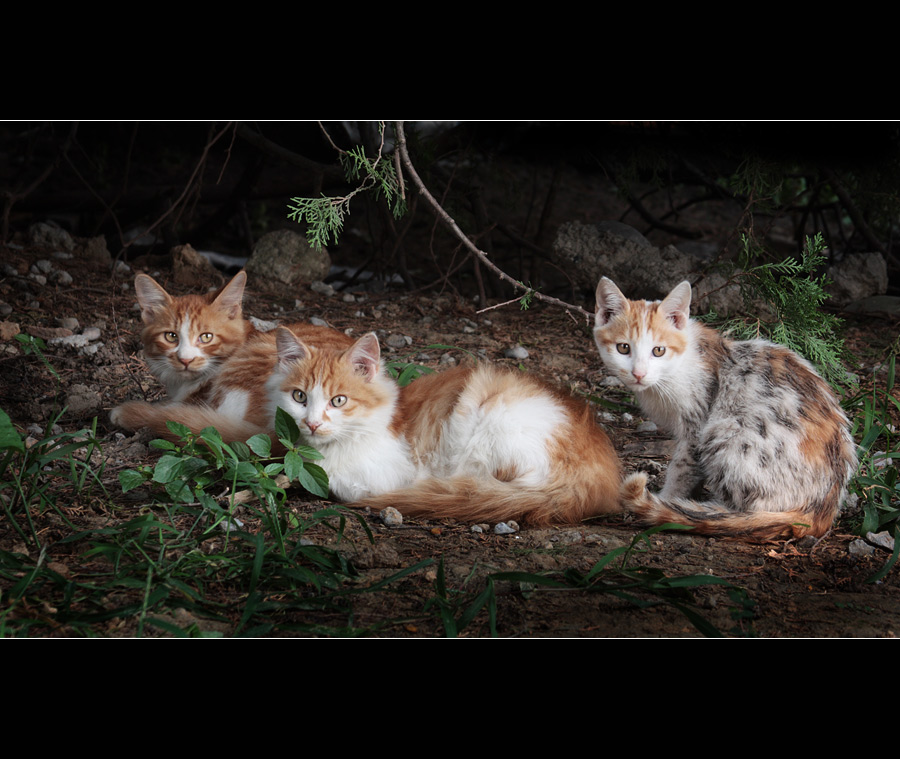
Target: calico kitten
{"type": "Point", "coordinates": [477, 444]}
{"type": "Point", "coordinates": [751, 419]}
{"type": "Point", "coordinates": [186, 338]}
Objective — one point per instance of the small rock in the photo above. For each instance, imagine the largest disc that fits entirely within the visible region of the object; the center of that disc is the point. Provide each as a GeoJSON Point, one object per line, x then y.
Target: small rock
{"type": "Point", "coordinates": [476, 528]}
{"type": "Point", "coordinates": [284, 255]}
{"type": "Point", "coordinates": [647, 427]}
{"type": "Point", "coordinates": [859, 547]}
{"type": "Point", "coordinates": [391, 517]}
{"type": "Point", "coordinates": [51, 235]}
{"type": "Point", "coordinates": [318, 322]}
{"type": "Point", "coordinates": [518, 352]}
{"type": "Point", "coordinates": [448, 360]}
{"type": "Point", "coordinates": [91, 333]}
{"type": "Point", "coordinates": [398, 341]}
{"type": "Point", "coordinates": [42, 267]}
{"type": "Point", "coordinates": [83, 402]}
{"type": "Point", "coordinates": [70, 341]}
{"type": "Point", "coordinates": [62, 278]}
{"type": "Point", "coordinates": [8, 330]}
{"type": "Point", "coordinates": [68, 322]}
{"type": "Point", "coordinates": [506, 528]}
{"type": "Point", "coordinates": [881, 539]}
{"type": "Point", "coordinates": [322, 288]}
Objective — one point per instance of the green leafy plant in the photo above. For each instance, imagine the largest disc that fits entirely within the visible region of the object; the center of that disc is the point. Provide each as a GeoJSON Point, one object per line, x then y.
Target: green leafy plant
{"type": "Point", "coordinates": [34, 346]}
{"type": "Point", "coordinates": [33, 476]}
{"type": "Point", "coordinates": [878, 482]}
{"type": "Point", "coordinates": [614, 574]}
{"type": "Point", "coordinates": [405, 371]}
{"type": "Point", "coordinates": [188, 472]}
{"type": "Point", "coordinates": [189, 546]}
{"type": "Point", "coordinates": [793, 291]}
{"type": "Point", "coordinates": [644, 587]}
{"type": "Point", "coordinates": [324, 216]}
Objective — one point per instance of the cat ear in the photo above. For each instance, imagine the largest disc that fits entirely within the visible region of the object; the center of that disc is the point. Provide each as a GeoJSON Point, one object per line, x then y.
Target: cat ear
{"type": "Point", "coordinates": [365, 354]}
{"type": "Point", "coordinates": [231, 296]}
{"type": "Point", "coordinates": [289, 347]}
{"type": "Point", "coordinates": [610, 301]}
{"type": "Point", "coordinates": [151, 297]}
{"type": "Point", "coordinates": [677, 305]}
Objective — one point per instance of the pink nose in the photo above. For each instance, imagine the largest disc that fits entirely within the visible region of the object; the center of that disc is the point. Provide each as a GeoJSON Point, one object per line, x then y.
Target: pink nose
{"type": "Point", "coordinates": [186, 361]}
{"type": "Point", "coordinates": [313, 426]}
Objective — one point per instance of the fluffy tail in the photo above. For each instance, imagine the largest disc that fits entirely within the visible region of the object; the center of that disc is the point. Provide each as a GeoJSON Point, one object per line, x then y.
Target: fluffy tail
{"type": "Point", "coordinates": [469, 499]}
{"type": "Point", "coordinates": [135, 415]}
{"type": "Point", "coordinates": [712, 518]}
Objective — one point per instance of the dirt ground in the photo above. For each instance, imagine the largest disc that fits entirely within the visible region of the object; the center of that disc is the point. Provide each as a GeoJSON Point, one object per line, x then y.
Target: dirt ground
{"type": "Point", "coordinates": [791, 589]}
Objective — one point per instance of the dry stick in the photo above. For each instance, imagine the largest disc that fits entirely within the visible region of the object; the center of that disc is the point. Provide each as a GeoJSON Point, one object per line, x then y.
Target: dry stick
{"type": "Point", "coordinates": [858, 221]}
{"type": "Point", "coordinates": [190, 182]}
{"type": "Point", "coordinates": [448, 220]}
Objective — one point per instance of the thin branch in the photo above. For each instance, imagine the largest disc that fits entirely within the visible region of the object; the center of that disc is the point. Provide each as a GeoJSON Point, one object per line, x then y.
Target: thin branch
{"type": "Point", "coordinates": [449, 221]}
{"type": "Point", "coordinates": [858, 221]}
{"type": "Point", "coordinates": [190, 182]}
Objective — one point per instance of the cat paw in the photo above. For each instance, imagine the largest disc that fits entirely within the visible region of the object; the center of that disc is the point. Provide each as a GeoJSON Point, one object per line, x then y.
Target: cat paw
{"type": "Point", "coordinates": [126, 416]}
{"type": "Point", "coordinates": [633, 489]}
{"type": "Point", "coordinates": [115, 416]}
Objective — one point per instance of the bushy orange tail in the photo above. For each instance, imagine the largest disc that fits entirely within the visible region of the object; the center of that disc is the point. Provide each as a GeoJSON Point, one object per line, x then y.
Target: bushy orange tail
{"type": "Point", "coordinates": [712, 518]}
{"type": "Point", "coordinates": [469, 499]}
{"type": "Point", "coordinates": [135, 415]}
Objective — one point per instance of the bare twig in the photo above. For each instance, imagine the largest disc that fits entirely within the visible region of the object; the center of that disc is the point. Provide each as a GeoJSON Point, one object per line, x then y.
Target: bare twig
{"type": "Point", "coordinates": [190, 183]}
{"type": "Point", "coordinates": [451, 223]}
{"type": "Point", "coordinates": [858, 221]}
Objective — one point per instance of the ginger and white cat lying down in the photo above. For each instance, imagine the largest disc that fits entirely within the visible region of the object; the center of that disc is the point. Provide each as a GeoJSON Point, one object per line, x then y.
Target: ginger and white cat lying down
{"type": "Point", "coordinates": [473, 444]}
{"type": "Point", "coordinates": [187, 337]}
{"type": "Point", "coordinates": [752, 420]}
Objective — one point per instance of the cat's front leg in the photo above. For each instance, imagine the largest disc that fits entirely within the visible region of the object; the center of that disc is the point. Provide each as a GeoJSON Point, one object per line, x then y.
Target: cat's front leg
{"type": "Point", "coordinates": [684, 472]}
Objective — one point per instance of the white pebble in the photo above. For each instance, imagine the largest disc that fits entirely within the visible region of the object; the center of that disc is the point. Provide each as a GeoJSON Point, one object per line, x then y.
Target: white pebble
{"type": "Point", "coordinates": [517, 352]}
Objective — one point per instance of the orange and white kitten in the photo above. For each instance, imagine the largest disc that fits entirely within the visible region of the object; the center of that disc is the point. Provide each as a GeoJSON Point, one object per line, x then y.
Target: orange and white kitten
{"type": "Point", "coordinates": [235, 400]}
{"type": "Point", "coordinates": [186, 338]}
{"type": "Point", "coordinates": [482, 444]}
{"type": "Point", "coordinates": [752, 420]}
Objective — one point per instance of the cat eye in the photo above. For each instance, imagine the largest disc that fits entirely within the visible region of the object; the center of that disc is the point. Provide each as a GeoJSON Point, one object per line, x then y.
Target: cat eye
{"type": "Point", "coordinates": [659, 350]}
{"type": "Point", "coordinates": [206, 337]}
{"type": "Point", "coordinates": [623, 348]}
{"type": "Point", "coordinates": [299, 396]}
{"type": "Point", "coordinates": [170, 337]}
{"type": "Point", "coordinates": [338, 401]}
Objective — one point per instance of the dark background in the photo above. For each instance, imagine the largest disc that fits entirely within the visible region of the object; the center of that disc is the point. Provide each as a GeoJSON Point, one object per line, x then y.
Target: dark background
{"type": "Point", "coordinates": [221, 185]}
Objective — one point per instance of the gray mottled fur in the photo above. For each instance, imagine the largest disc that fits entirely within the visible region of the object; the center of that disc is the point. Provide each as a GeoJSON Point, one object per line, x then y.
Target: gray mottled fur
{"type": "Point", "coordinates": [753, 422]}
